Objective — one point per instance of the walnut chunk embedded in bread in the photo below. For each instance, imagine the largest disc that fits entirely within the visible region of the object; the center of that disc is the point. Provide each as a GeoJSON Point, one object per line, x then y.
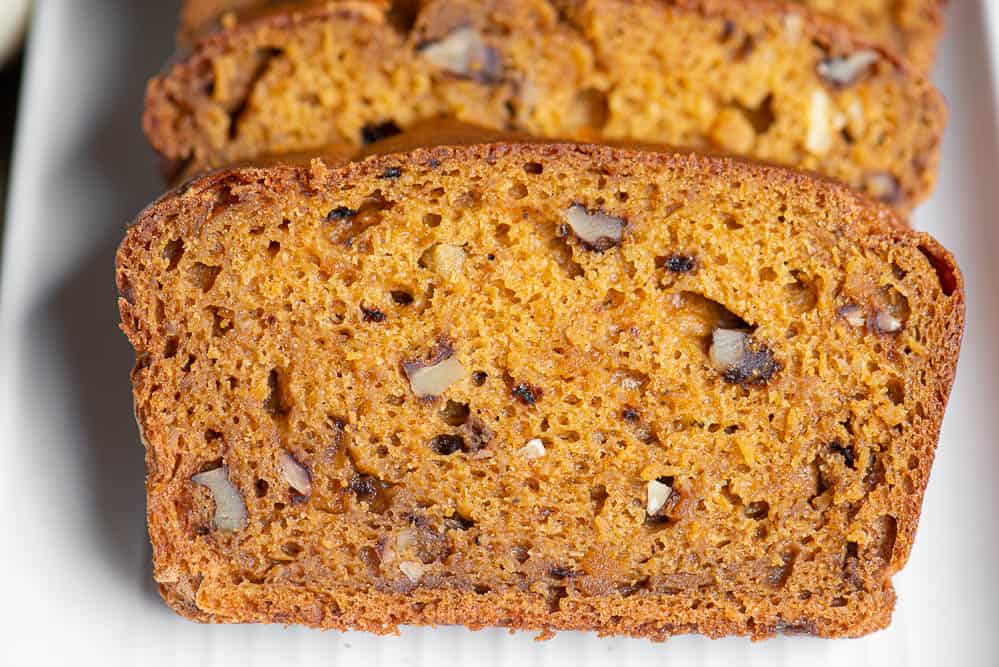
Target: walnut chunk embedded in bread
{"type": "Point", "coordinates": [593, 454]}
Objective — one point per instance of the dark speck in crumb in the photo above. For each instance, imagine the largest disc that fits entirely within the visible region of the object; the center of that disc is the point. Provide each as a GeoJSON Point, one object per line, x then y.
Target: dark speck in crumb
{"type": "Point", "coordinates": [679, 264]}
{"type": "Point", "coordinates": [392, 172]}
{"type": "Point", "coordinates": [458, 522]}
{"type": "Point", "coordinates": [728, 30]}
{"type": "Point", "coordinates": [559, 572]}
{"type": "Point", "coordinates": [849, 458]}
{"type": "Point", "coordinates": [629, 414]}
{"type": "Point", "coordinates": [372, 314]}
{"type": "Point", "coordinates": [378, 131]}
{"type": "Point", "coordinates": [434, 163]}
{"type": "Point", "coordinates": [657, 520]}
{"type": "Point", "coordinates": [491, 257]}
{"type": "Point", "coordinates": [527, 394]}
{"type": "Point", "coordinates": [446, 444]}
{"type": "Point", "coordinates": [340, 213]}
{"type": "Point", "coordinates": [363, 485]}
{"type": "Point", "coordinates": [746, 48]}
{"type": "Point", "coordinates": [755, 367]}
{"type": "Point", "coordinates": [402, 298]}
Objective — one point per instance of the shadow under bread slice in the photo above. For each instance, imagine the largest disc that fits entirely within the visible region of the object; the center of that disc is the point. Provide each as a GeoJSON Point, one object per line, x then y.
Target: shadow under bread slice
{"type": "Point", "coordinates": [743, 76]}
{"type": "Point", "coordinates": [536, 386]}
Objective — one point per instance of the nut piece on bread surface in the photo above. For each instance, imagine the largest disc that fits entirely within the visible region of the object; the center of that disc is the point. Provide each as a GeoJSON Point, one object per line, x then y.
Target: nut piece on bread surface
{"type": "Point", "coordinates": [721, 423]}
{"type": "Point", "coordinates": [770, 81]}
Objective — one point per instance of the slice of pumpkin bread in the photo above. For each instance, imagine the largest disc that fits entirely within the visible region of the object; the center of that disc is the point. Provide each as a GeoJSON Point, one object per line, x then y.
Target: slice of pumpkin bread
{"type": "Point", "coordinates": [536, 386]}
{"type": "Point", "coordinates": [911, 27]}
{"type": "Point", "coordinates": [766, 80]}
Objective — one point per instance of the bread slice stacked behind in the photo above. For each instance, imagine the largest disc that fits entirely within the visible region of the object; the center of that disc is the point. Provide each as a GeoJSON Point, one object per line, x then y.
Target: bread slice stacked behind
{"type": "Point", "coordinates": [764, 80]}
{"type": "Point", "coordinates": [911, 28]}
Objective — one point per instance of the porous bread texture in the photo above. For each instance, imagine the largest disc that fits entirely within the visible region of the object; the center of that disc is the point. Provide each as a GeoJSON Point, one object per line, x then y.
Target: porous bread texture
{"type": "Point", "coordinates": [753, 78]}
{"type": "Point", "coordinates": [285, 319]}
{"type": "Point", "coordinates": [911, 27]}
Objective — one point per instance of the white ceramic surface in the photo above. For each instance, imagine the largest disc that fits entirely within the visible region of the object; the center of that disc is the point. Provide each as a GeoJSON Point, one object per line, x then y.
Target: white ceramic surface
{"type": "Point", "coordinates": [74, 558]}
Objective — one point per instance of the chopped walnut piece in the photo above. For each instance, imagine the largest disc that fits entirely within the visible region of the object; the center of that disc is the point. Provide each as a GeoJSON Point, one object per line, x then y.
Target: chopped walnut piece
{"type": "Point", "coordinates": [856, 121]}
{"type": "Point", "coordinates": [444, 259]}
{"type": "Point", "coordinates": [406, 538]}
{"type": "Point", "coordinates": [413, 570]}
{"type": "Point", "coordinates": [230, 510]}
{"type": "Point", "coordinates": [433, 377]}
{"type": "Point", "coordinates": [657, 494]}
{"type": "Point", "coordinates": [885, 322]}
{"type": "Point", "coordinates": [883, 186]}
{"type": "Point", "coordinates": [853, 315]}
{"type": "Point", "coordinates": [596, 230]}
{"type": "Point", "coordinates": [793, 27]}
{"type": "Point", "coordinates": [463, 53]}
{"type": "Point", "coordinates": [629, 380]}
{"type": "Point", "coordinates": [741, 359]}
{"type": "Point", "coordinates": [819, 140]}
{"type": "Point", "coordinates": [295, 474]}
{"type": "Point", "coordinates": [843, 71]}
{"type": "Point", "coordinates": [534, 449]}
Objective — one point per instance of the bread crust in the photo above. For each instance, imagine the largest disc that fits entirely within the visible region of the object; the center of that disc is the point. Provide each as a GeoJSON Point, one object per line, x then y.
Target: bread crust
{"type": "Point", "coordinates": [381, 611]}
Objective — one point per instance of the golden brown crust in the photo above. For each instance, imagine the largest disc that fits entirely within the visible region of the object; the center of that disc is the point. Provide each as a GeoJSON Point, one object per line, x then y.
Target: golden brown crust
{"type": "Point", "coordinates": [201, 110]}
{"type": "Point", "coordinates": [649, 619]}
{"type": "Point", "coordinates": [449, 132]}
{"type": "Point", "coordinates": [194, 566]}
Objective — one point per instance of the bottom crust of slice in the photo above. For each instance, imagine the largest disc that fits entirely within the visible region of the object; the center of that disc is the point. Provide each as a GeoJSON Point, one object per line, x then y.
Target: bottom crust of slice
{"type": "Point", "coordinates": [656, 618]}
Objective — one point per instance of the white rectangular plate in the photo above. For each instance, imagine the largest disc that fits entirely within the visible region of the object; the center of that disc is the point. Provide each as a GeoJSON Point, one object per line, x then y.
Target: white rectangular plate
{"type": "Point", "coordinates": [75, 560]}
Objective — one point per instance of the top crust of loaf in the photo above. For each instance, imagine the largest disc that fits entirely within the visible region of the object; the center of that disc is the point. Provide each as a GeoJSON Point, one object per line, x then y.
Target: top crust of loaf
{"type": "Point", "coordinates": [183, 212]}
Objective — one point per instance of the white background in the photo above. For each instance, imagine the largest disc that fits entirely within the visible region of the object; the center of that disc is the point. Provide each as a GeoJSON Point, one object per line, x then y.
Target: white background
{"type": "Point", "coordinates": [74, 559]}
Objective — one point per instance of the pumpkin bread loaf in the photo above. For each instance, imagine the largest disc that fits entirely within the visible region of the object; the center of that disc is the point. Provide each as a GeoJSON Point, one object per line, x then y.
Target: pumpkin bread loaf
{"type": "Point", "coordinates": [535, 386]}
{"type": "Point", "coordinates": [911, 27]}
{"type": "Point", "coordinates": [765, 80]}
